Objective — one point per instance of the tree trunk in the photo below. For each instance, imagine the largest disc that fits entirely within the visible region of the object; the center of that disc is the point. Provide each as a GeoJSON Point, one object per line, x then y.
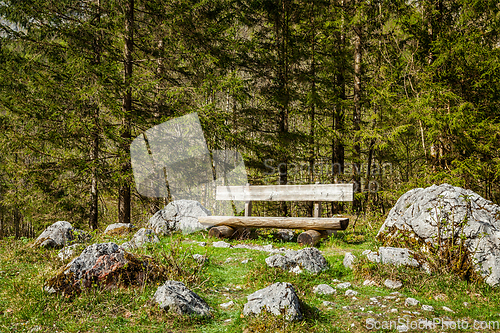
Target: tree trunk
{"type": "Point", "coordinates": [338, 163]}
{"type": "Point", "coordinates": [282, 45]}
{"type": "Point", "coordinates": [94, 151]}
{"type": "Point", "coordinates": [357, 114]}
{"type": "Point", "coordinates": [124, 192]}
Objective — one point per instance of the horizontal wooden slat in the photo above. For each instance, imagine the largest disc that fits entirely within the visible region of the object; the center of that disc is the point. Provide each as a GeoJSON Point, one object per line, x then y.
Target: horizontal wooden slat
{"type": "Point", "coordinates": [315, 192]}
{"type": "Point", "coordinates": [308, 223]}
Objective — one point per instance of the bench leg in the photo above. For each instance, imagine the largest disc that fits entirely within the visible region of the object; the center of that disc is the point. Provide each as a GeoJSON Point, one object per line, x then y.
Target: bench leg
{"type": "Point", "coordinates": [311, 237]}
{"type": "Point", "coordinates": [221, 232]}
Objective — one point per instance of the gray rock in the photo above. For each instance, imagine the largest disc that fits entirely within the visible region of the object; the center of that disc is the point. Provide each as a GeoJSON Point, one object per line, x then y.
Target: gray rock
{"type": "Point", "coordinates": [200, 258]}
{"type": "Point", "coordinates": [203, 244]}
{"type": "Point", "coordinates": [221, 244]}
{"type": "Point", "coordinates": [279, 298]}
{"type": "Point", "coordinates": [118, 228]}
{"type": "Point", "coordinates": [369, 283]}
{"type": "Point", "coordinates": [344, 285]}
{"type": "Point", "coordinates": [309, 259]}
{"type": "Point", "coordinates": [324, 289]}
{"type": "Point", "coordinates": [178, 215]}
{"type": "Point", "coordinates": [142, 237]}
{"type": "Point", "coordinates": [56, 235]}
{"type": "Point", "coordinates": [397, 256]}
{"type": "Point", "coordinates": [372, 256]}
{"type": "Point", "coordinates": [349, 259]}
{"type": "Point", "coordinates": [427, 307]}
{"type": "Point", "coordinates": [350, 292]}
{"type": "Point", "coordinates": [392, 284]}
{"type": "Point", "coordinates": [226, 305]}
{"type": "Point", "coordinates": [67, 252]}
{"type": "Point", "coordinates": [411, 302]}
{"type": "Point", "coordinates": [105, 264]}
{"type": "Point", "coordinates": [174, 296]}
{"type": "Point", "coordinates": [285, 234]}
{"type": "Point", "coordinates": [417, 213]}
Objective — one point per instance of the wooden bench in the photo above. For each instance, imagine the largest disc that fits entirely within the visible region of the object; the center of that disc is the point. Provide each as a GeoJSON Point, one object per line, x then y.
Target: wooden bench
{"type": "Point", "coordinates": [317, 227]}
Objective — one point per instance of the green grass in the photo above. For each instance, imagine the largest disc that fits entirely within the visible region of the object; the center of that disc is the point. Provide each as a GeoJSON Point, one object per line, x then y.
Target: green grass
{"type": "Point", "coordinates": [25, 306]}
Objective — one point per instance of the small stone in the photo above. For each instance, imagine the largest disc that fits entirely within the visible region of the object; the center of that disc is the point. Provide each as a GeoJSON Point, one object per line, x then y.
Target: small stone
{"type": "Point", "coordinates": [350, 292]}
{"type": "Point", "coordinates": [296, 270]}
{"type": "Point", "coordinates": [396, 293]}
{"type": "Point", "coordinates": [390, 297]}
{"type": "Point", "coordinates": [227, 320]}
{"type": "Point", "coordinates": [466, 304]}
{"type": "Point", "coordinates": [245, 261]}
{"type": "Point", "coordinates": [369, 283]}
{"type": "Point", "coordinates": [324, 289]}
{"type": "Point", "coordinates": [370, 322]}
{"type": "Point", "coordinates": [402, 328]}
{"type": "Point", "coordinates": [393, 310]}
{"type": "Point", "coordinates": [226, 305]}
{"type": "Point", "coordinates": [202, 244]}
{"type": "Point", "coordinates": [427, 307]}
{"type": "Point", "coordinates": [200, 258]}
{"type": "Point", "coordinates": [411, 302]}
{"type": "Point", "coordinates": [228, 260]}
{"type": "Point", "coordinates": [441, 297]}
{"type": "Point", "coordinates": [445, 308]}
{"type": "Point", "coordinates": [354, 298]}
{"type": "Point", "coordinates": [416, 313]}
{"type": "Point", "coordinates": [392, 284]}
{"type": "Point", "coordinates": [349, 259]}
{"type": "Point", "coordinates": [221, 244]}
{"type": "Point", "coordinates": [327, 303]}
{"type": "Point", "coordinates": [335, 281]}
{"type": "Point", "coordinates": [344, 285]}
{"type": "Point", "coordinates": [278, 299]}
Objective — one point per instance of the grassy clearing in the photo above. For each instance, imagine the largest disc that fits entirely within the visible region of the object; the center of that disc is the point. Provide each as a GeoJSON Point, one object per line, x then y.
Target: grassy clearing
{"type": "Point", "coordinates": [24, 306]}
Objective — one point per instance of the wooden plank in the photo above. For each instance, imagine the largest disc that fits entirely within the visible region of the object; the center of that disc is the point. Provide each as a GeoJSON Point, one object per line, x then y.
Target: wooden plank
{"type": "Point", "coordinates": [307, 223]}
{"type": "Point", "coordinates": [313, 192]}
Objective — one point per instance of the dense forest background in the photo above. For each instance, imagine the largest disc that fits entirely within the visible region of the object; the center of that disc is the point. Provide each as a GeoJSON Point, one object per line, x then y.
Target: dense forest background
{"type": "Point", "coordinates": [389, 95]}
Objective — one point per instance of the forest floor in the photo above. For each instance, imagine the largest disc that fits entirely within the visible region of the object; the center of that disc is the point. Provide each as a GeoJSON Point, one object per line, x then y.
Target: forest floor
{"type": "Point", "coordinates": [26, 307]}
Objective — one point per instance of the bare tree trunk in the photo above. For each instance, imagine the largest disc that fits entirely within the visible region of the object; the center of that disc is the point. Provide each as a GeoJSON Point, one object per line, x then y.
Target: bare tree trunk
{"type": "Point", "coordinates": [124, 192]}
{"type": "Point", "coordinates": [313, 105]}
{"type": "Point", "coordinates": [338, 162]}
{"type": "Point", "coordinates": [94, 152]}
{"type": "Point", "coordinates": [357, 113]}
{"type": "Point", "coordinates": [282, 45]}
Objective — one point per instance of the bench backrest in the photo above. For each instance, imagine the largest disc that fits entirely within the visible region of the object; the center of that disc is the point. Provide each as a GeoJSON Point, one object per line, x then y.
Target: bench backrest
{"type": "Point", "coordinates": [313, 192]}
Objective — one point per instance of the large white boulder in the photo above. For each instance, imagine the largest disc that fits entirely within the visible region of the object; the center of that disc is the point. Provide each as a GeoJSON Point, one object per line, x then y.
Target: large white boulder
{"type": "Point", "coordinates": [423, 216]}
{"type": "Point", "coordinates": [178, 215]}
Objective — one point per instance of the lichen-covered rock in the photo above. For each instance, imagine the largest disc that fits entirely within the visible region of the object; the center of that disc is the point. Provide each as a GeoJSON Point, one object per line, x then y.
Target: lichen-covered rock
{"type": "Point", "coordinates": [174, 296]}
{"type": "Point", "coordinates": [309, 259]}
{"type": "Point", "coordinates": [119, 229]}
{"type": "Point", "coordinates": [106, 265]}
{"type": "Point", "coordinates": [142, 237]}
{"type": "Point", "coordinates": [279, 298]}
{"type": "Point", "coordinates": [421, 214]}
{"type": "Point", "coordinates": [349, 259]}
{"type": "Point", "coordinates": [178, 215]}
{"type": "Point", "coordinates": [67, 252]}
{"type": "Point", "coordinates": [60, 234]}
